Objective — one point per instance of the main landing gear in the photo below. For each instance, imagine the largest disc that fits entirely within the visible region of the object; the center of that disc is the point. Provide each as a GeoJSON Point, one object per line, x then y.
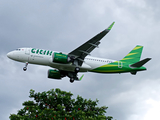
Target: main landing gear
{"type": "Point", "coordinates": [73, 75]}
{"type": "Point", "coordinates": [77, 69]}
{"type": "Point", "coordinates": [25, 68]}
{"type": "Point", "coordinates": [71, 80]}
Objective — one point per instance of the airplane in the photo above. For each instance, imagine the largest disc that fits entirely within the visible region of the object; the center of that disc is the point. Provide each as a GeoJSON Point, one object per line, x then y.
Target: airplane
{"type": "Point", "coordinates": [79, 60]}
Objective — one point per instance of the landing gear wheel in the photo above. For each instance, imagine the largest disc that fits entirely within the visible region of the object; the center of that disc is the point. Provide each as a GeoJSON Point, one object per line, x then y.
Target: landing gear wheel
{"type": "Point", "coordinates": [72, 80]}
{"type": "Point", "coordinates": [77, 69]}
{"type": "Point", "coordinates": [25, 68]}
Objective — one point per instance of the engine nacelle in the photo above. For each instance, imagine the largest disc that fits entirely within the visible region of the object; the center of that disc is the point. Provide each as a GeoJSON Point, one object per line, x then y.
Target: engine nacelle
{"type": "Point", "coordinates": [61, 58]}
{"type": "Point", "coordinates": [54, 74]}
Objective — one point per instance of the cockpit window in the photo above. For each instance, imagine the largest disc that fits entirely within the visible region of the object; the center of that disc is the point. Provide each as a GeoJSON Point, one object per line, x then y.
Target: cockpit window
{"type": "Point", "coordinates": [18, 49]}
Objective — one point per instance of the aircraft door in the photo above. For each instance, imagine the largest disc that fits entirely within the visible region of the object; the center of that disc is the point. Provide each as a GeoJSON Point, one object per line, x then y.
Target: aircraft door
{"type": "Point", "coordinates": [120, 64]}
{"type": "Point", "coordinates": [27, 51]}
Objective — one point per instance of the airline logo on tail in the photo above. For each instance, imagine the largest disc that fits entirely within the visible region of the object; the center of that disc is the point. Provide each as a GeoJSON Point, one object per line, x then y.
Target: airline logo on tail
{"type": "Point", "coordinates": [134, 55]}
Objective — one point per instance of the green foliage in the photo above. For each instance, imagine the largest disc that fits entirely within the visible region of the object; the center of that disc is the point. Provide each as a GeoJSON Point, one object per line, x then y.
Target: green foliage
{"type": "Point", "coordinates": [59, 105]}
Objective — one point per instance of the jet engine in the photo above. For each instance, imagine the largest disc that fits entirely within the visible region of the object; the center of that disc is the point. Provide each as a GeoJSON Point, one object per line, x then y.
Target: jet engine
{"type": "Point", "coordinates": [61, 58]}
{"type": "Point", "coordinates": [54, 74]}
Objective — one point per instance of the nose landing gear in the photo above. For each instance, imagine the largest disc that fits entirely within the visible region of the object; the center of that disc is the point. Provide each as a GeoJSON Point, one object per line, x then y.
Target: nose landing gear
{"type": "Point", "coordinates": [25, 68]}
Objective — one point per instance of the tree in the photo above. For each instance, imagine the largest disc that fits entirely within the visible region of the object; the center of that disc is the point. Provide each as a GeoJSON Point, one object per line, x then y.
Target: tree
{"type": "Point", "coordinates": [59, 105]}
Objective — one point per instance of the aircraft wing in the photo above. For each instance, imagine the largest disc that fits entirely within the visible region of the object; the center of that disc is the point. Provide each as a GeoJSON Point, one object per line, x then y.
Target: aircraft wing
{"type": "Point", "coordinates": [82, 51]}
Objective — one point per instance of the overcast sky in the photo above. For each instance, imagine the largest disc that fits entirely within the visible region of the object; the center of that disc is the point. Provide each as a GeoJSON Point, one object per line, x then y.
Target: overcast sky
{"type": "Point", "coordinates": [63, 26]}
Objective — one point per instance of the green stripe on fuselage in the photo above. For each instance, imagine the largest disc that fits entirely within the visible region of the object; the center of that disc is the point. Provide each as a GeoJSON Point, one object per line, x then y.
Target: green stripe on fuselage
{"type": "Point", "coordinates": [124, 64]}
{"type": "Point", "coordinates": [116, 67]}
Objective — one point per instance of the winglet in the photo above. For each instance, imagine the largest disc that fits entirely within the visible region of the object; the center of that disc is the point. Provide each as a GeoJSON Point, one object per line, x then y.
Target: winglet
{"type": "Point", "coordinates": [110, 27]}
{"type": "Point", "coordinates": [81, 77]}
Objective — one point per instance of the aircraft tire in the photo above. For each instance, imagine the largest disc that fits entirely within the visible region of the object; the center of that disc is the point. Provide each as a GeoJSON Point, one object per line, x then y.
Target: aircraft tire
{"type": "Point", "coordinates": [24, 68]}
{"type": "Point", "coordinates": [77, 69]}
{"type": "Point", "coordinates": [72, 80]}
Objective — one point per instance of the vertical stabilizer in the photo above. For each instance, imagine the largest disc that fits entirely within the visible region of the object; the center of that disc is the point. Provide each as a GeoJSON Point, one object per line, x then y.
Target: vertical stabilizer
{"type": "Point", "coordinates": [134, 56]}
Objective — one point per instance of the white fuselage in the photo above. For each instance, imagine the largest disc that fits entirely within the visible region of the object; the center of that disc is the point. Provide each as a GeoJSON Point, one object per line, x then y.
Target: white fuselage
{"type": "Point", "coordinates": [44, 57]}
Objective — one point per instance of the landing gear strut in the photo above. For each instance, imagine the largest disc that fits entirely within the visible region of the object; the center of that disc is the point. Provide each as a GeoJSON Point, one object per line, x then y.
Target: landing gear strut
{"type": "Point", "coordinates": [25, 68]}
{"type": "Point", "coordinates": [71, 80]}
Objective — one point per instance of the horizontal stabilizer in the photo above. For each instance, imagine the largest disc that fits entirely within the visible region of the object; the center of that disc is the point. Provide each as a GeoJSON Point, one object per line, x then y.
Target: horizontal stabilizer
{"type": "Point", "coordinates": [140, 63]}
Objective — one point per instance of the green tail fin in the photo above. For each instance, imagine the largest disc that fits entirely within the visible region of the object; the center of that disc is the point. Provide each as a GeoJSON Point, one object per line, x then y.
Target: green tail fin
{"type": "Point", "coordinates": [134, 56]}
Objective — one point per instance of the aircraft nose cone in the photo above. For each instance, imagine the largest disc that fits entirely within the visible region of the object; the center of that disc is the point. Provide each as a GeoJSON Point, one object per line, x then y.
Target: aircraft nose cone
{"type": "Point", "coordinates": [9, 55]}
